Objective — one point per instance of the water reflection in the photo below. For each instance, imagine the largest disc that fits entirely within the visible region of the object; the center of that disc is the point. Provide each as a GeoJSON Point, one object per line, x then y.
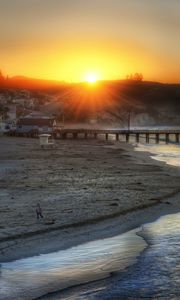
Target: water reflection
{"type": "Point", "coordinates": [31, 277]}
{"type": "Point", "coordinates": [156, 275]}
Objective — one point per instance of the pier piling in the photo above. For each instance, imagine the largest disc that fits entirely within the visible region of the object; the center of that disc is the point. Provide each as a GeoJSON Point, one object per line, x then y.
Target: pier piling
{"type": "Point", "coordinates": [147, 138]}
{"type": "Point", "coordinates": [64, 136]}
{"type": "Point", "coordinates": [137, 137]}
{"type": "Point", "coordinates": [75, 135]}
{"type": "Point", "coordinates": [177, 138]}
{"type": "Point", "coordinates": [167, 138]}
{"type": "Point", "coordinates": [157, 138]}
{"type": "Point", "coordinates": [127, 137]}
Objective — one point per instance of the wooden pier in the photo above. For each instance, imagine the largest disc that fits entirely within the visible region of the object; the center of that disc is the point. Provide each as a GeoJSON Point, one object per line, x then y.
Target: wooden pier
{"type": "Point", "coordinates": [158, 135]}
{"type": "Point", "coordinates": [118, 134]}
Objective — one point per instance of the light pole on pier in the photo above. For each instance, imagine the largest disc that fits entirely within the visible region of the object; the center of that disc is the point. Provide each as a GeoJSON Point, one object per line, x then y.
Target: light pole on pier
{"type": "Point", "coordinates": [129, 120]}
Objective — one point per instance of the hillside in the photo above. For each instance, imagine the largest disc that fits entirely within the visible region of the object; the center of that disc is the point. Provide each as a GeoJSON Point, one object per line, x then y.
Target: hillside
{"type": "Point", "coordinates": [106, 102]}
{"type": "Point", "coordinates": [111, 102]}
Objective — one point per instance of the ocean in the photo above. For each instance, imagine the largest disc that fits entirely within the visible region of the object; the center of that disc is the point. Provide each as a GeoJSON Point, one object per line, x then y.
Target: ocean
{"type": "Point", "coordinates": [155, 275]}
{"type": "Point", "coordinates": [169, 154]}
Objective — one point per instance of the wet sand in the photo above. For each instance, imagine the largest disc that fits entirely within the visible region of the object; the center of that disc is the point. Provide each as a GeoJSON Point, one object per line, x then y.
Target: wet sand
{"type": "Point", "coordinates": [90, 188]}
{"type": "Point", "coordinates": [32, 277]}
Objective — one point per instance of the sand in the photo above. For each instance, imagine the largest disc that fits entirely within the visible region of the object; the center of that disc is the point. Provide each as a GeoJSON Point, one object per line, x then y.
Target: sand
{"type": "Point", "coordinates": [89, 188]}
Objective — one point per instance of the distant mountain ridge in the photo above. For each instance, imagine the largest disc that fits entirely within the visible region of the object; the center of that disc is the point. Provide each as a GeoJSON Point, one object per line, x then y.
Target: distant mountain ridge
{"type": "Point", "coordinates": [27, 82]}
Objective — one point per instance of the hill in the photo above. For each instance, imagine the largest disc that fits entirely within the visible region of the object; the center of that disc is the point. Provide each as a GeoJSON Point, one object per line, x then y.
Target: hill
{"type": "Point", "coordinates": [149, 103]}
{"type": "Point", "coordinates": [22, 82]}
{"type": "Point", "coordinates": [107, 102]}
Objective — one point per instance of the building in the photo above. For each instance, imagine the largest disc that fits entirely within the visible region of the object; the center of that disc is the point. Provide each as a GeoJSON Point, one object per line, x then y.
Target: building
{"type": "Point", "coordinates": [3, 99]}
{"type": "Point", "coordinates": [25, 103]}
{"type": "Point", "coordinates": [37, 124]}
{"type": "Point", "coordinates": [11, 113]}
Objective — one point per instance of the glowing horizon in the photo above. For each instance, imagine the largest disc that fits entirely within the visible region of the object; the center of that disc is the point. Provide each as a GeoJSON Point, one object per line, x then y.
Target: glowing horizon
{"type": "Point", "coordinates": [65, 40]}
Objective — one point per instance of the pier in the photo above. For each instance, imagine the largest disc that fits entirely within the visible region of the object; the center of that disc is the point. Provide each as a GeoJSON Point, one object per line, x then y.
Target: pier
{"type": "Point", "coordinates": [123, 134]}
{"type": "Point", "coordinates": [171, 135]}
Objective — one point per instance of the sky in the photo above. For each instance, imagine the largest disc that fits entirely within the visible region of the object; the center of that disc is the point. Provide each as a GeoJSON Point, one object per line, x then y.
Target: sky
{"type": "Point", "coordinates": [69, 40]}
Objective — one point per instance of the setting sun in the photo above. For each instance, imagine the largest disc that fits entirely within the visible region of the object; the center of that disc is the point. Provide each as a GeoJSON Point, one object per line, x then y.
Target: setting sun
{"type": "Point", "coordinates": [91, 78]}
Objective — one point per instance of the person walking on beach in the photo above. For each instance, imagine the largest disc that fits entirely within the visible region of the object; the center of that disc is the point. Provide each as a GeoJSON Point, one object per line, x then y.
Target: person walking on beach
{"type": "Point", "coordinates": [39, 211]}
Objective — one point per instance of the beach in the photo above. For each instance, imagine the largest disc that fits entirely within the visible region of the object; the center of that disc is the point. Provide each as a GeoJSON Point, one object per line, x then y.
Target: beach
{"type": "Point", "coordinates": [91, 189]}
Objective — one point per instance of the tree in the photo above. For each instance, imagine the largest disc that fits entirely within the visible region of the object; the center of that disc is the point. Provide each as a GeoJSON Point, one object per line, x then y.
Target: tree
{"type": "Point", "coordinates": [135, 77]}
{"type": "Point", "coordinates": [1, 76]}
{"type": "Point", "coordinates": [3, 111]}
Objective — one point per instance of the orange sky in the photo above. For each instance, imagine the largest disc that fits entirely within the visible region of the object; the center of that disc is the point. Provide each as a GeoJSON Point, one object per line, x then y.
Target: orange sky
{"type": "Point", "coordinates": [68, 39]}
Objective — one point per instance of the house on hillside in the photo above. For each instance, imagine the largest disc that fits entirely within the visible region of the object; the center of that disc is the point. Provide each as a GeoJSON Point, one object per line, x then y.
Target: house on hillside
{"type": "Point", "coordinates": [11, 113]}
{"type": "Point", "coordinates": [25, 103]}
{"type": "Point", "coordinates": [37, 124]}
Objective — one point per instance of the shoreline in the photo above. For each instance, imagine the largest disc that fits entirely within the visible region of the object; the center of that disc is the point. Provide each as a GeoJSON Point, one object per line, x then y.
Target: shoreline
{"type": "Point", "coordinates": [94, 285]}
{"type": "Point", "coordinates": [114, 276]}
{"type": "Point", "coordinates": [92, 230]}
{"type": "Point", "coordinates": [115, 281]}
{"type": "Point", "coordinates": [65, 236]}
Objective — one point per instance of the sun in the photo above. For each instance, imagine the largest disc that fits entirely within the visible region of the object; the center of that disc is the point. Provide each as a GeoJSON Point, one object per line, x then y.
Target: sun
{"type": "Point", "coordinates": [91, 78]}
